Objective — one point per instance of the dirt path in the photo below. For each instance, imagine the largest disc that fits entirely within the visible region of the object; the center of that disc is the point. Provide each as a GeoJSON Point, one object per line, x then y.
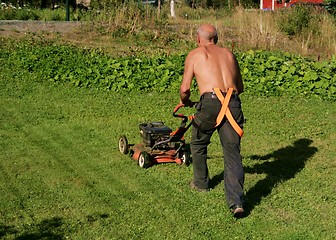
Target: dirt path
{"type": "Point", "coordinates": [14, 28]}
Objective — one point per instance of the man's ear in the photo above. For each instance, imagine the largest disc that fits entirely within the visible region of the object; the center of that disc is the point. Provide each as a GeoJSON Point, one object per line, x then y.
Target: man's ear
{"type": "Point", "coordinates": [198, 39]}
{"type": "Point", "coordinates": [216, 39]}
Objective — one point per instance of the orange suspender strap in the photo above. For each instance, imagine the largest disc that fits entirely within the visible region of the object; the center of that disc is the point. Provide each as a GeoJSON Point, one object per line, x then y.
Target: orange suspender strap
{"type": "Point", "coordinates": [226, 111]}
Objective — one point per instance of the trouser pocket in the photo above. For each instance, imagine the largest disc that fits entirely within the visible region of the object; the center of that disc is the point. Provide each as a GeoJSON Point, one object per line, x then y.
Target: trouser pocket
{"type": "Point", "coordinates": [206, 115]}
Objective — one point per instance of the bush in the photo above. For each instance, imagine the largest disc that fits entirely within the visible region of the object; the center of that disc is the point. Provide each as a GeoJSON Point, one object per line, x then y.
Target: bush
{"type": "Point", "coordinates": [264, 73]}
{"type": "Point", "coordinates": [330, 6]}
{"type": "Point", "coordinates": [295, 19]}
{"type": "Point", "coordinates": [19, 14]}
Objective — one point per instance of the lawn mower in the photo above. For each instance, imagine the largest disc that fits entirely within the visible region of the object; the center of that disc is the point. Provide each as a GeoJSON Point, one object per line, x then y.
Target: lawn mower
{"type": "Point", "coordinates": [159, 143]}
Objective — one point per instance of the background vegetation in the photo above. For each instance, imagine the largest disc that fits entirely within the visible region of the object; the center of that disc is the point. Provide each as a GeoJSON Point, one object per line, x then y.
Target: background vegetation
{"type": "Point", "coordinates": [304, 30]}
{"type": "Point", "coordinates": [264, 73]}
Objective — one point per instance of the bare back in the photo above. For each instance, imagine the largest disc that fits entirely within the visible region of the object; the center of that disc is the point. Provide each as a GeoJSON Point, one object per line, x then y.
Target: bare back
{"type": "Point", "coordinates": [216, 67]}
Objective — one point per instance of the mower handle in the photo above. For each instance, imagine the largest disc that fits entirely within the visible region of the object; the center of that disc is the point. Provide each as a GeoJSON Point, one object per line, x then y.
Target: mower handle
{"type": "Point", "coordinates": [182, 105]}
{"type": "Point", "coordinates": [178, 107]}
{"type": "Point", "coordinates": [184, 117]}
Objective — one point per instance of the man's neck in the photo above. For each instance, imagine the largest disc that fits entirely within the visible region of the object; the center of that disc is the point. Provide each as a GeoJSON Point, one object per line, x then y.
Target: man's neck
{"type": "Point", "coordinates": [205, 44]}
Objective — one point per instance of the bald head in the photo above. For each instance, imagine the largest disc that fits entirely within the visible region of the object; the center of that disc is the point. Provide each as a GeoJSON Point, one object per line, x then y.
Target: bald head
{"type": "Point", "coordinates": [207, 33]}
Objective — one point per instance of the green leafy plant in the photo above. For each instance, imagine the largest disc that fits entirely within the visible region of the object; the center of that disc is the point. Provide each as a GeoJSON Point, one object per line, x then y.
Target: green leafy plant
{"type": "Point", "coordinates": [264, 73]}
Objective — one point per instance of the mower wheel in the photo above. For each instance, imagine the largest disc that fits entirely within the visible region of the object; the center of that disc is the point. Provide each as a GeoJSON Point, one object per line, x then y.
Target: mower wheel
{"type": "Point", "coordinates": [186, 159]}
{"type": "Point", "coordinates": [144, 160]}
{"type": "Point", "coordinates": [123, 145]}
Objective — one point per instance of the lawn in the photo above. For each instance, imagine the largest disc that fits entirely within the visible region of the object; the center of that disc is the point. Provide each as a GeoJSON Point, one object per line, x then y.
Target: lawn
{"type": "Point", "coordinates": [62, 176]}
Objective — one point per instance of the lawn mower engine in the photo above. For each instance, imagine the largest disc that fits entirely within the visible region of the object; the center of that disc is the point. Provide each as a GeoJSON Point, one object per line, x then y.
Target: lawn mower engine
{"type": "Point", "coordinates": [153, 133]}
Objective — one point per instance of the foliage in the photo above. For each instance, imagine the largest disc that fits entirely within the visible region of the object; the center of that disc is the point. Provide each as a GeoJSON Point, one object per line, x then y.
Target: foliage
{"type": "Point", "coordinates": [264, 73]}
{"type": "Point", "coordinates": [303, 30]}
{"type": "Point", "coordinates": [330, 6]}
{"type": "Point", "coordinates": [101, 4]}
{"type": "Point", "coordinates": [295, 19]}
{"type": "Point", "coordinates": [93, 69]}
{"type": "Point", "coordinates": [275, 73]}
{"type": "Point", "coordinates": [27, 13]}
{"type": "Point", "coordinates": [19, 14]}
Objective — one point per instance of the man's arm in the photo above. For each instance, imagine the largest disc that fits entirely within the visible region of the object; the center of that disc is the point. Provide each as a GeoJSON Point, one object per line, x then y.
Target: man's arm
{"type": "Point", "coordinates": [187, 79]}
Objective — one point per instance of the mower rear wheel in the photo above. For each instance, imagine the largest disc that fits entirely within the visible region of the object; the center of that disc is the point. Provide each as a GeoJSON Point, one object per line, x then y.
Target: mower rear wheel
{"type": "Point", "coordinates": [144, 160]}
{"type": "Point", "coordinates": [123, 145]}
{"type": "Point", "coordinates": [186, 159]}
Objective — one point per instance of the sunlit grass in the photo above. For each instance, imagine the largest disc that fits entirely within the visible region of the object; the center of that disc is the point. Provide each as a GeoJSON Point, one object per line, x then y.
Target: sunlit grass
{"type": "Point", "coordinates": [62, 175]}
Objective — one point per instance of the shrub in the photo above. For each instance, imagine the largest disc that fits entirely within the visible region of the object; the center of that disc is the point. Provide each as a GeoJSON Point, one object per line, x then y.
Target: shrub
{"type": "Point", "coordinates": [294, 20]}
{"type": "Point", "coordinates": [330, 6]}
{"type": "Point", "coordinates": [264, 73]}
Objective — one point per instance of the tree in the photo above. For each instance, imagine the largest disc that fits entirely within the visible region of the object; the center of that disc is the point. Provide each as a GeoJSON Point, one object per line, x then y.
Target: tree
{"type": "Point", "coordinates": [44, 3]}
{"type": "Point", "coordinates": [172, 8]}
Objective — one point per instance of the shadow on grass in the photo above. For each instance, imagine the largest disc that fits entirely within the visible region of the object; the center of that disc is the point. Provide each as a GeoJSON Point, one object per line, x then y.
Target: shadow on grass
{"type": "Point", "coordinates": [47, 229]}
{"type": "Point", "coordinates": [284, 164]}
{"type": "Point", "coordinates": [53, 229]}
{"type": "Point", "coordinates": [5, 230]}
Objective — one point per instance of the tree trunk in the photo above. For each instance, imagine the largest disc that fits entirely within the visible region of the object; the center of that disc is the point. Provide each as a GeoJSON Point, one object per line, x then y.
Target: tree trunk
{"type": "Point", "coordinates": [44, 3]}
{"type": "Point", "coordinates": [172, 8]}
{"type": "Point", "coordinates": [159, 8]}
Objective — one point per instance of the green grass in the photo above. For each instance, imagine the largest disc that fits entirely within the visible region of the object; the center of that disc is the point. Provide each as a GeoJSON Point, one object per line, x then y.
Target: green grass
{"type": "Point", "coordinates": [62, 176]}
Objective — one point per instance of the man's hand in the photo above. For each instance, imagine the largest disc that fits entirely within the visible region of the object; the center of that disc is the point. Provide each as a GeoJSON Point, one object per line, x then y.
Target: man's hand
{"type": "Point", "coordinates": [188, 103]}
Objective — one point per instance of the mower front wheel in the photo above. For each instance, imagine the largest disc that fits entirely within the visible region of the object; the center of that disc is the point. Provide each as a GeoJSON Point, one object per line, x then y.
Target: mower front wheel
{"type": "Point", "coordinates": [144, 160]}
{"type": "Point", "coordinates": [123, 145]}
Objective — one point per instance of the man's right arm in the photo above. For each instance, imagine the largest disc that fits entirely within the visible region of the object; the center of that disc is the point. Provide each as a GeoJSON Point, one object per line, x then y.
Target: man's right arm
{"type": "Point", "coordinates": [187, 79]}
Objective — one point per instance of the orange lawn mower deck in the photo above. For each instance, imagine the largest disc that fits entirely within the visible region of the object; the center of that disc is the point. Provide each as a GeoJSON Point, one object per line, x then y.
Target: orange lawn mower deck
{"type": "Point", "coordinates": [159, 143]}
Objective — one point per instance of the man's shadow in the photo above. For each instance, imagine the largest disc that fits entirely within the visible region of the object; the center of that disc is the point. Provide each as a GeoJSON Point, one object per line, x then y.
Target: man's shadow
{"type": "Point", "coordinates": [284, 164]}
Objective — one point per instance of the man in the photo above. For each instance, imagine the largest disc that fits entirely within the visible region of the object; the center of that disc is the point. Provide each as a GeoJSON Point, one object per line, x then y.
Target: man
{"type": "Point", "coordinates": [215, 67]}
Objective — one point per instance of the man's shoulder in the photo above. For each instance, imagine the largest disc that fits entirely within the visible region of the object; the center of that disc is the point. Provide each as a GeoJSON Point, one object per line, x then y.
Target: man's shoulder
{"type": "Point", "coordinates": [197, 52]}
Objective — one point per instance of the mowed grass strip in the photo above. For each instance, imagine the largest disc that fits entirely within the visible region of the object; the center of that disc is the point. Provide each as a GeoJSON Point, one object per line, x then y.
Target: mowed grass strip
{"type": "Point", "coordinates": [62, 175]}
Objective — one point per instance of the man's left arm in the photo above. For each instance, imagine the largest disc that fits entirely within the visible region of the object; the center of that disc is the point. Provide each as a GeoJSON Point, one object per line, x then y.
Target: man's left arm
{"type": "Point", "coordinates": [239, 80]}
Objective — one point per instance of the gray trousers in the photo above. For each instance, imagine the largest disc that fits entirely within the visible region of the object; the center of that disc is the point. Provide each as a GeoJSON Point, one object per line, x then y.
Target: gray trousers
{"type": "Point", "coordinates": [202, 130]}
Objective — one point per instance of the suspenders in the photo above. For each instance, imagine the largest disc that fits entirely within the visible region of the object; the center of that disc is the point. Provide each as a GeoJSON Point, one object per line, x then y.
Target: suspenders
{"type": "Point", "coordinates": [225, 111]}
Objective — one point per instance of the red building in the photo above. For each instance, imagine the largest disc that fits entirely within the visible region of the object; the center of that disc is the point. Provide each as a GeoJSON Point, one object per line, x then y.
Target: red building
{"type": "Point", "coordinates": [274, 4]}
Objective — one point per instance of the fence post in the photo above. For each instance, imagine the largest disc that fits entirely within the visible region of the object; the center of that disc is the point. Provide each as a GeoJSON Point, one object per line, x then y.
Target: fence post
{"type": "Point", "coordinates": [67, 10]}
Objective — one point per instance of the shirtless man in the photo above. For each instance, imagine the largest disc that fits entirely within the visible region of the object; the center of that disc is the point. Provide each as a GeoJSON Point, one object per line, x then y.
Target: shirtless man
{"type": "Point", "coordinates": [215, 67]}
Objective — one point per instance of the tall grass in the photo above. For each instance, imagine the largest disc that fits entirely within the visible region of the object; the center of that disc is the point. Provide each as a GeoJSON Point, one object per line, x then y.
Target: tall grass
{"type": "Point", "coordinates": [302, 30]}
{"type": "Point", "coordinates": [313, 34]}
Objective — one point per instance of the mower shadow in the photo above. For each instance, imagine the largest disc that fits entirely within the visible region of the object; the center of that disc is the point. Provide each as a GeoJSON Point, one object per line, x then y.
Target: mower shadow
{"type": "Point", "coordinates": [286, 163]}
